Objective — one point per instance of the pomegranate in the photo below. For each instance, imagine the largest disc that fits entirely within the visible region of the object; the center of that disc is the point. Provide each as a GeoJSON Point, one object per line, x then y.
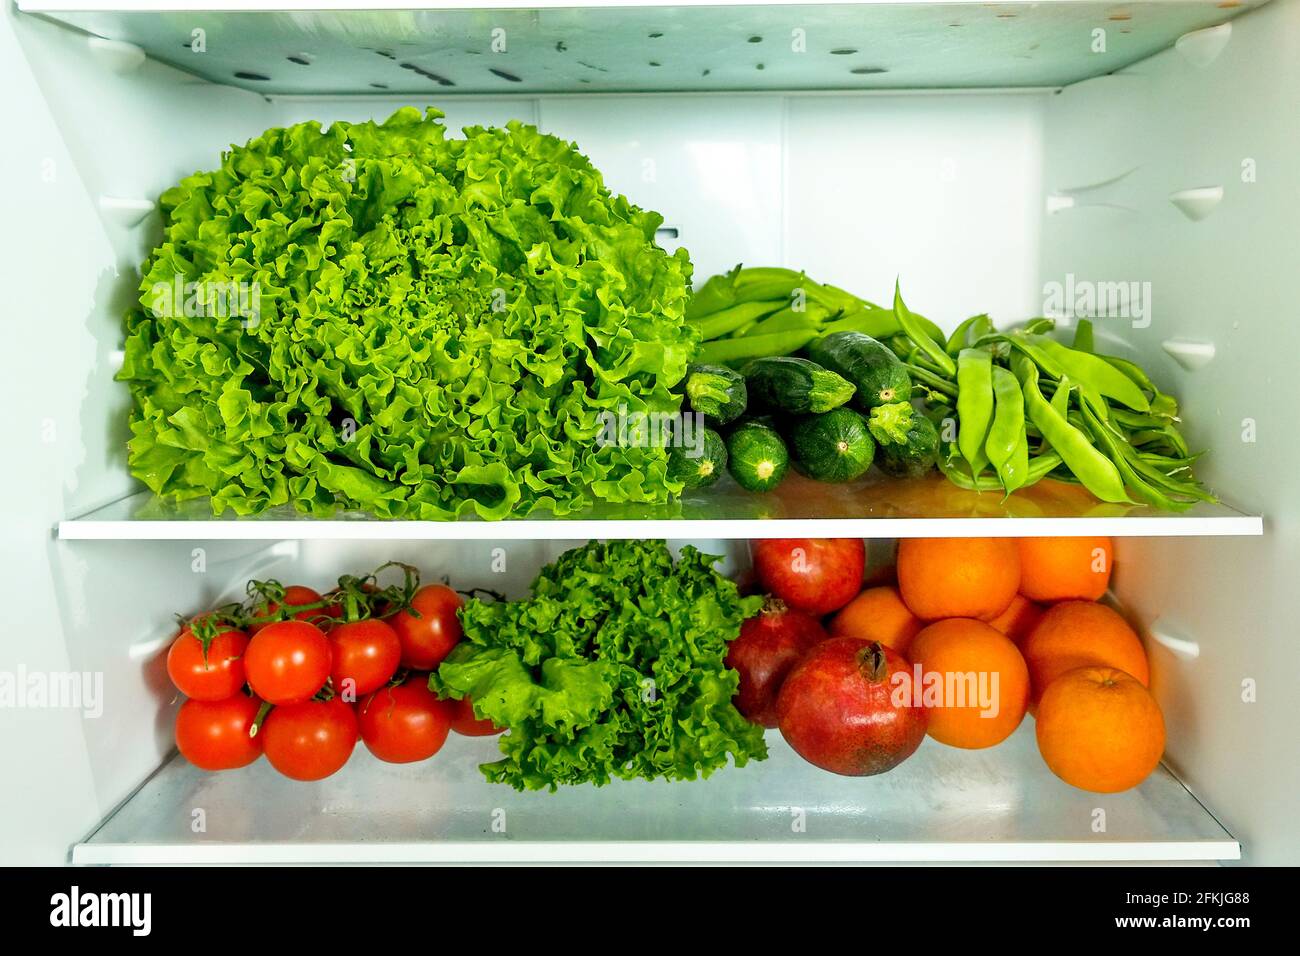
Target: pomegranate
{"type": "Point", "coordinates": [842, 709]}
{"type": "Point", "coordinates": [817, 575]}
{"type": "Point", "coordinates": [769, 645]}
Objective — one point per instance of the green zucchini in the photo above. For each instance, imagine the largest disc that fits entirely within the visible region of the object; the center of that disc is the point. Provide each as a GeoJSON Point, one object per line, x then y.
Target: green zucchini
{"type": "Point", "coordinates": [699, 466]}
{"type": "Point", "coordinates": [833, 446]}
{"type": "Point", "coordinates": [757, 456]}
{"type": "Point", "coordinates": [912, 458]}
{"type": "Point", "coordinates": [795, 386]}
{"type": "Point", "coordinates": [716, 392]}
{"type": "Point", "coordinates": [872, 367]}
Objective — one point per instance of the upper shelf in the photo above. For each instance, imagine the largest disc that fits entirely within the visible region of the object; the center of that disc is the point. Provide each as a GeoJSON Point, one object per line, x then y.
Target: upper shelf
{"type": "Point", "coordinates": [875, 507]}
{"type": "Point", "coordinates": [561, 46]}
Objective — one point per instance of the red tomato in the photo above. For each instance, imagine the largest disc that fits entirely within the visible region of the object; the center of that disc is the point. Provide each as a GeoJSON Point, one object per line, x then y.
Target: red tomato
{"type": "Point", "coordinates": [464, 722]}
{"type": "Point", "coordinates": [287, 662]}
{"type": "Point", "coordinates": [405, 723]}
{"type": "Point", "coordinates": [817, 575]}
{"type": "Point", "coordinates": [294, 595]}
{"type": "Point", "coordinates": [310, 740]}
{"type": "Point", "coordinates": [216, 675]}
{"type": "Point", "coordinates": [366, 655]}
{"type": "Point", "coordinates": [214, 734]}
{"type": "Point", "coordinates": [427, 639]}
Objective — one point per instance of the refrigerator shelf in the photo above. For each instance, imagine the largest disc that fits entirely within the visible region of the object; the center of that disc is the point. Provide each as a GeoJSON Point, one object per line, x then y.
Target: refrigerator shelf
{"type": "Point", "coordinates": [942, 805]}
{"type": "Point", "coordinates": [547, 46]}
{"type": "Point", "coordinates": [873, 508]}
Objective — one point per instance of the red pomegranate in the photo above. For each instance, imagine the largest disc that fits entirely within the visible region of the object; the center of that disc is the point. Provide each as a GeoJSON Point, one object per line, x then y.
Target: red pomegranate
{"type": "Point", "coordinates": [842, 709]}
{"type": "Point", "coordinates": [769, 645]}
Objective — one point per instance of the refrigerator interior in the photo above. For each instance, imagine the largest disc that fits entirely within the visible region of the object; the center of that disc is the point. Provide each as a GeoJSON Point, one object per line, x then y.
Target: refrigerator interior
{"type": "Point", "coordinates": [980, 172]}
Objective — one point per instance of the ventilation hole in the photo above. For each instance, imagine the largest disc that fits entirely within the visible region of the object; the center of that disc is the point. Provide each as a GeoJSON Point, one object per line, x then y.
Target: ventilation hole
{"type": "Point", "coordinates": [379, 86]}
{"type": "Point", "coordinates": [867, 70]}
{"type": "Point", "coordinates": [843, 51]}
{"type": "Point", "coordinates": [654, 36]}
{"type": "Point", "coordinates": [667, 232]}
{"type": "Point", "coordinates": [583, 79]}
{"type": "Point", "coordinates": [244, 75]}
{"type": "Point", "coordinates": [592, 66]}
{"type": "Point", "coordinates": [504, 75]}
{"type": "Point", "coordinates": [560, 47]}
{"type": "Point", "coordinates": [427, 74]}
{"type": "Point", "coordinates": [301, 61]}
{"type": "Point", "coordinates": [755, 39]}
{"type": "Point", "coordinates": [706, 73]}
{"type": "Point", "coordinates": [386, 54]}
{"type": "Point", "coordinates": [655, 63]}
{"type": "Point", "coordinates": [760, 66]}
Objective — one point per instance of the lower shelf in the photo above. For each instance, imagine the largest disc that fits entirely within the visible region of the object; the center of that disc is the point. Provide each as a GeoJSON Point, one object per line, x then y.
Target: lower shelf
{"type": "Point", "coordinates": [943, 805]}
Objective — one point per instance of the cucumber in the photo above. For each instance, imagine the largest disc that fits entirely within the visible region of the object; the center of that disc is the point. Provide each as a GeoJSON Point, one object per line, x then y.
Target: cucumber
{"type": "Point", "coordinates": [873, 368]}
{"type": "Point", "coordinates": [700, 466]}
{"type": "Point", "coordinates": [716, 392]}
{"type": "Point", "coordinates": [781, 383]}
{"type": "Point", "coordinates": [914, 457]}
{"type": "Point", "coordinates": [833, 446]}
{"type": "Point", "coordinates": [758, 458]}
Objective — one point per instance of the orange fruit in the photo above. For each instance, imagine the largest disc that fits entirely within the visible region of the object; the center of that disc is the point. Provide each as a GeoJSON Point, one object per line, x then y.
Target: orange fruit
{"type": "Point", "coordinates": [877, 614]}
{"type": "Point", "coordinates": [958, 577]}
{"type": "Point", "coordinates": [1099, 729]}
{"type": "Point", "coordinates": [1018, 619]}
{"type": "Point", "coordinates": [985, 684]}
{"type": "Point", "coordinates": [1081, 634]}
{"type": "Point", "coordinates": [1064, 569]}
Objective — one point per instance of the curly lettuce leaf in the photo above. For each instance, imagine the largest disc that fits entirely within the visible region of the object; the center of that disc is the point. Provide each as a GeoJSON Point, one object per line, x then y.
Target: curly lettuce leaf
{"type": "Point", "coordinates": [613, 669]}
{"type": "Point", "coordinates": [440, 325]}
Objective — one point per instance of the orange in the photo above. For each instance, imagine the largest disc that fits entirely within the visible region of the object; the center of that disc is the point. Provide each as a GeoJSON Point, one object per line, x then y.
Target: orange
{"type": "Point", "coordinates": [1018, 619]}
{"type": "Point", "coordinates": [1064, 569]}
{"type": "Point", "coordinates": [984, 680]}
{"type": "Point", "coordinates": [1080, 634]}
{"type": "Point", "coordinates": [877, 614]}
{"type": "Point", "coordinates": [958, 577]}
{"type": "Point", "coordinates": [1099, 729]}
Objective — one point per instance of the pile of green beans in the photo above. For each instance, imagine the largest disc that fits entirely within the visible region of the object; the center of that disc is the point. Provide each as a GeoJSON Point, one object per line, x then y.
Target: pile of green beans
{"type": "Point", "coordinates": [1026, 407]}
{"type": "Point", "coordinates": [752, 313]}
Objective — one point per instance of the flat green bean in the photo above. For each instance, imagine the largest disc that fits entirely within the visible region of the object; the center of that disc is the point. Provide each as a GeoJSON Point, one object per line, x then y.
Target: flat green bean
{"type": "Point", "coordinates": [725, 351]}
{"type": "Point", "coordinates": [1007, 446]}
{"type": "Point", "coordinates": [920, 336]}
{"type": "Point", "coordinates": [1096, 472]}
{"type": "Point", "coordinates": [974, 405]}
{"type": "Point", "coordinates": [1093, 372]}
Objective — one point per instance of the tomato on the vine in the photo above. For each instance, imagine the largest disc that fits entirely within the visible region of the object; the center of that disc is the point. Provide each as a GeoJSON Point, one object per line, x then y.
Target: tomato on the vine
{"type": "Point", "coordinates": [404, 723]}
{"type": "Point", "coordinates": [295, 595]}
{"type": "Point", "coordinates": [428, 638]}
{"type": "Point", "coordinates": [214, 734]}
{"type": "Point", "coordinates": [309, 740]}
{"type": "Point", "coordinates": [366, 656]}
{"type": "Point", "coordinates": [288, 661]}
{"type": "Point", "coordinates": [464, 722]}
{"type": "Point", "coordinates": [215, 674]}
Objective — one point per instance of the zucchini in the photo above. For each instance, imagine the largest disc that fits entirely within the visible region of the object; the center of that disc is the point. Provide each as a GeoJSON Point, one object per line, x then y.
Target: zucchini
{"type": "Point", "coordinates": [833, 446]}
{"type": "Point", "coordinates": [757, 456]}
{"type": "Point", "coordinates": [700, 466]}
{"type": "Point", "coordinates": [914, 457]}
{"type": "Point", "coordinates": [716, 392]}
{"type": "Point", "coordinates": [781, 383]}
{"type": "Point", "coordinates": [873, 368]}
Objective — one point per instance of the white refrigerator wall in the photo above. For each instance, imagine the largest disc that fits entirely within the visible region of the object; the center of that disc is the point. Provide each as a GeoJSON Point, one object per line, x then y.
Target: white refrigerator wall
{"type": "Point", "coordinates": [1167, 125]}
{"type": "Point", "coordinates": [945, 190]}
